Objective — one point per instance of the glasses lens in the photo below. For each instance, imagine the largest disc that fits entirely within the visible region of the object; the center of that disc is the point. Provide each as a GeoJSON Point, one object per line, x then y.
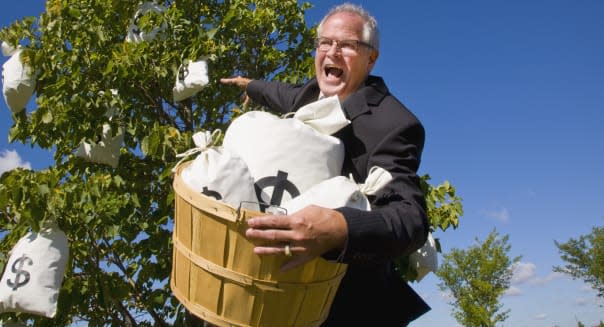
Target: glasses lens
{"type": "Point", "coordinates": [346, 47]}
{"type": "Point", "coordinates": [349, 46]}
{"type": "Point", "coordinates": [323, 44]}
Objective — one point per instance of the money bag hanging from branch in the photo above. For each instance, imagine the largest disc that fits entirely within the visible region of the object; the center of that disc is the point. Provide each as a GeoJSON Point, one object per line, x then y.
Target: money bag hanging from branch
{"type": "Point", "coordinates": [138, 34]}
{"type": "Point", "coordinates": [191, 78]}
{"type": "Point", "coordinates": [106, 149]}
{"type": "Point", "coordinates": [34, 273]}
{"type": "Point", "coordinates": [18, 82]}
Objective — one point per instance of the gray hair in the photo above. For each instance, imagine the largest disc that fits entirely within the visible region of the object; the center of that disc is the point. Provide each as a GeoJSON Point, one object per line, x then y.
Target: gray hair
{"type": "Point", "coordinates": [371, 34]}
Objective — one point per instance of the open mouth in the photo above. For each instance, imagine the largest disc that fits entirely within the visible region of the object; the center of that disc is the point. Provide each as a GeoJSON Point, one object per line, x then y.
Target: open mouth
{"type": "Point", "coordinates": [333, 71]}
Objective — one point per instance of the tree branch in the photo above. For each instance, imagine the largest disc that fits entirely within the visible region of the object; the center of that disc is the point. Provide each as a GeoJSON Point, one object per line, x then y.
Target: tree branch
{"type": "Point", "coordinates": [137, 293]}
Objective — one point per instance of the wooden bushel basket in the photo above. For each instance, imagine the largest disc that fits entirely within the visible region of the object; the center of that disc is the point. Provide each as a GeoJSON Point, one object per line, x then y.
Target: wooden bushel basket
{"type": "Point", "coordinates": [218, 278]}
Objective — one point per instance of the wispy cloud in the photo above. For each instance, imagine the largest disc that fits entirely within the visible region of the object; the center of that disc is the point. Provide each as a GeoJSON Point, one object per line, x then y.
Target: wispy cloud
{"type": "Point", "coordinates": [499, 214]}
{"type": "Point", "coordinates": [523, 272]}
{"type": "Point", "coordinates": [11, 160]}
{"type": "Point", "coordinates": [540, 316]}
{"type": "Point", "coordinates": [547, 279]}
{"type": "Point", "coordinates": [526, 272]}
{"type": "Point", "coordinates": [582, 302]}
{"type": "Point", "coordinates": [513, 291]}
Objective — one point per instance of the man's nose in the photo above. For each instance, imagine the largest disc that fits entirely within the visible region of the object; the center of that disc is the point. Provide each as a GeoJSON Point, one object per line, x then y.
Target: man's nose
{"type": "Point", "coordinates": [333, 50]}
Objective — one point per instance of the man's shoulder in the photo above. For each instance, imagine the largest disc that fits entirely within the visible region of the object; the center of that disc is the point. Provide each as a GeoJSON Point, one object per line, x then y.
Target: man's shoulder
{"type": "Point", "coordinates": [379, 96]}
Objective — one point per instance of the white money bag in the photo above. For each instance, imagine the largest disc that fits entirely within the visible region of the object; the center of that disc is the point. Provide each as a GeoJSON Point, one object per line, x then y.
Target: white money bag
{"type": "Point", "coordinates": [18, 82]}
{"type": "Point", "coordinates": [425, 259]}
{"type": "Point", "coordinates": [287, 156]}
{"type": "Point", "coordinates": [135, 33]}
{"type": "Point", "coordinates": [34, 273]}
{"type": "Point", "coordinates": [7, 49]}
{"type": "Point", "coordinates": [106, 150]}
{"type": "Point", "coordinates": [341, 191]}
{"type": "Point", "coordinates": [191, 78]}
{"type": "Point", "coordinates": [218, 173]}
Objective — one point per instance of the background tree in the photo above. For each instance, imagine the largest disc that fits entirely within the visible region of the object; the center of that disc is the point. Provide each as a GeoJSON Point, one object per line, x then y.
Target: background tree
{"type": "Point", "coordinates": [584, 258]}
{"type": "Point", "coordinates": [476, 278]}
{"type": "Point", "coordinates": [119, 220]}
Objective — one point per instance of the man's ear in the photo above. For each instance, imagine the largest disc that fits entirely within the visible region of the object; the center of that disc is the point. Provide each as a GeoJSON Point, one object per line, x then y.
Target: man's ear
{"type": "Point", "coordinates": [372, 59]}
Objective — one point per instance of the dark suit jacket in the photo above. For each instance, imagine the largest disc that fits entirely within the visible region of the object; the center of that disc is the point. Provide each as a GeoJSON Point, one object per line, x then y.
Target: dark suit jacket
{"type": "Point", "coordinates": [384, 133]}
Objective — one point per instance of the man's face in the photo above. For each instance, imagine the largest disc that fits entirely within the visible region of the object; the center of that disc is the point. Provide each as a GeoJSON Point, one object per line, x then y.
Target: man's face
{"type": "Point", "coordinates": [342, 73]}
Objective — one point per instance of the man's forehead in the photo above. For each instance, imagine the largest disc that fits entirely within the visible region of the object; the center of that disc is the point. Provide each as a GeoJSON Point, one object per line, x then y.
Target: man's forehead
{"type": "Point", "coordinates": [344, 21]}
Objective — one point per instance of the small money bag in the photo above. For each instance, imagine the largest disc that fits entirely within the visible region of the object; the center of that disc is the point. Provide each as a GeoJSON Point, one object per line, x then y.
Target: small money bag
{"type": "Point", "coordinates": [18, 82]}
{"type": "Point", "coordinates": [34, 273]}
{"type": "Point", "coordinates": [287, 156]}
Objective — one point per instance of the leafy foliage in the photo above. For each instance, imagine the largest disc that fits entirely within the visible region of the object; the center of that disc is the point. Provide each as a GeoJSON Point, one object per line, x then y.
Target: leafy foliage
{"type": "Point", "coordinates": [584, 258]}
{"type": "Point", "coordinates": [476, 278]}
{"type": "Point", "coordinates": [118, 221]}
{"type": "Point", "coordinates": [444, 209]}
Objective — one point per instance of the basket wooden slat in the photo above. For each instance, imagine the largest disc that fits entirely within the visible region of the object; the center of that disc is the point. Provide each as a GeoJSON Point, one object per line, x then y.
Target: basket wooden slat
{"type": "Point", "coordinates": [216, 276]}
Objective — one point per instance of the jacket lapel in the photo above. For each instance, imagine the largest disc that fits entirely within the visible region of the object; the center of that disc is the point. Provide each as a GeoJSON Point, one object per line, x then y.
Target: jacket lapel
{"type": "Point", "coordinates": [370, 95]}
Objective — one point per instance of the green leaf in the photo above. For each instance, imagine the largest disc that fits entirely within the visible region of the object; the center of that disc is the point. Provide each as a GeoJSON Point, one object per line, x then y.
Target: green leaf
{"type": "Point", "coordinates": [47, 117]}
{"type": "Point", "coordinates": [74, 12]}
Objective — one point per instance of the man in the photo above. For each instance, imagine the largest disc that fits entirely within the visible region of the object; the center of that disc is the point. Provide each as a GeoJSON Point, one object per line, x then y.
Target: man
{"type": "Point", "coordinates": [382, 133]}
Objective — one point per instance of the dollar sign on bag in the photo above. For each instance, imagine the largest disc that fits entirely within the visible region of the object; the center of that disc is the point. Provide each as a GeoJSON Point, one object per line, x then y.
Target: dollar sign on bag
{"type": "Point", "coordinates": [280, 184]}
{"type": "Point", "coordinates": [208, 192]}
{"type": "Point", "coordinates": [183, 72]}
{"type": "Point", "coordinates": [136, 30]}
{"type": "Point", "coordinates": [22, 276]}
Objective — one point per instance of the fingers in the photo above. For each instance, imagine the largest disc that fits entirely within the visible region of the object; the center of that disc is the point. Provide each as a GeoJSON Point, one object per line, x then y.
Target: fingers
{"type": "Point", "coordinates": [282, 249]}
{"type": "Point", "coordinates": [272, 235]}
{"type": "Point", "coordinates": [270, 221]}
{"type": "Point", "coordinates": [242, 82]}
{"type": "Point", "coordinates": [297, 255]}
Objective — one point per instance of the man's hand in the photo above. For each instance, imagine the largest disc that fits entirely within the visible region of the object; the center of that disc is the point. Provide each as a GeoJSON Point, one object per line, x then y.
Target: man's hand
{"type": "Point", "coordinates": [306, 234]}
{"type": "Point", "coordinates": [240, 81]}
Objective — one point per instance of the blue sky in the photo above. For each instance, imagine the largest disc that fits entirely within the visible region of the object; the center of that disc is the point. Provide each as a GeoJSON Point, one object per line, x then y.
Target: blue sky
{"type": "Point", "coordinates": [512, 97]}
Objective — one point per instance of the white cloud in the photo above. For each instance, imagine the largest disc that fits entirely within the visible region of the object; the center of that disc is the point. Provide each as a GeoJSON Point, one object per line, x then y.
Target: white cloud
{"type": "Point", "coordinates": [523, 272]}
{"type": "Point", "coordinates": [540, 316]}
{"type": "Point", "coordinates": [586, 288]}
{"type": "Point", "coordinates": [11, 160]}
{"type": "Point", "coordinates": [513, 291]}
{"type": "Point", "coordinates": [582, 302]}
{"type": "Point", "coordinates": [501, 214]}
{"type": "Point", "coordinates": [547, 279]}
{"type": "Point", "coordinates": [526, 272]}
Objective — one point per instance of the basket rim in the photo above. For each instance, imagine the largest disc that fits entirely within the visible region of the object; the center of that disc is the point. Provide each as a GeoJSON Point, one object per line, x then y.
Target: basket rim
{"type": "Point", "coordinates": [208, 204]}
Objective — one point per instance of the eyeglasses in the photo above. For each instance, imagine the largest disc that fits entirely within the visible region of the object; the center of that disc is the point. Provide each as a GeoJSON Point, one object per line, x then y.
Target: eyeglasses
{"type": "Point", "coordinates": [347, 47]}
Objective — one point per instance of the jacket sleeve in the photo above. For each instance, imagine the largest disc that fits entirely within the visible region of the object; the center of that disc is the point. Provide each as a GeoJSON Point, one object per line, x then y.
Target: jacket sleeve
{"type": "Point", "coordinates": [279, 97]}
{"type": "Point", "coordinates": [397, 224]}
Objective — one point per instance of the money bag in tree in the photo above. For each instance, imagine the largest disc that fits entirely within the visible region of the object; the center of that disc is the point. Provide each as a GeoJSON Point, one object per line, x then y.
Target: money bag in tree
{"type": "Point", "coordinates": [34, 273]}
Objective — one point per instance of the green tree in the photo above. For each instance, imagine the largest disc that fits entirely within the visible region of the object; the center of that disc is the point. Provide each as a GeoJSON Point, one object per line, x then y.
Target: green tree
{"type": "Point", "coordinates": [118, 220]}
{"type": "Point", "coordinates": [476, 278]}
{"type": "Point", "coordinates": [444, 208]}
{"type": "Point", "coordinates": [584, 257]}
